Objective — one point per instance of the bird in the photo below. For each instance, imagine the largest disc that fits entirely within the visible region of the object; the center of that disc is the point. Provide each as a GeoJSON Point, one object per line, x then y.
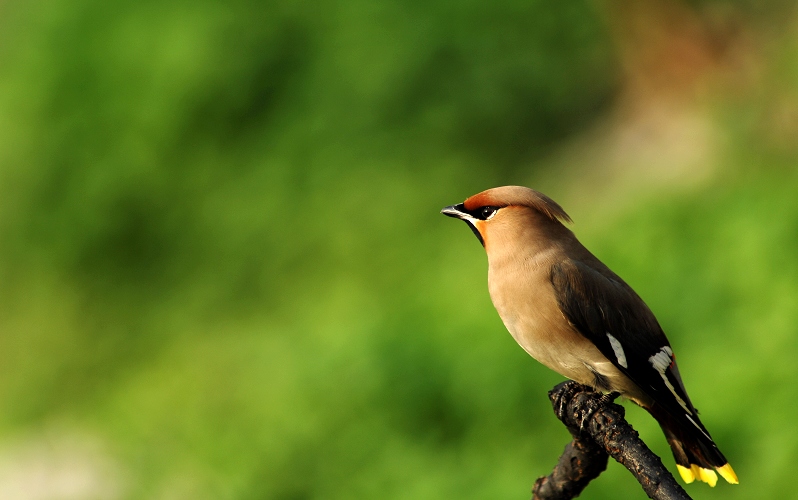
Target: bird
{"type": "Point", "coordinates": [574, 315]}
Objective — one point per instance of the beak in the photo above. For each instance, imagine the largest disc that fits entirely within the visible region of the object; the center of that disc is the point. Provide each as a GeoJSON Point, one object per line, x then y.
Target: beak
{"type": "Point", "coordinates": [456, 211]}
{"type": "Point", "coordinates": [459, 212]}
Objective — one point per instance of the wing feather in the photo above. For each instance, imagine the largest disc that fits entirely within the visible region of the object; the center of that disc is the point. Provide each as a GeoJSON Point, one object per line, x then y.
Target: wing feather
{"type": "Point", "coordinates": [605, 310]}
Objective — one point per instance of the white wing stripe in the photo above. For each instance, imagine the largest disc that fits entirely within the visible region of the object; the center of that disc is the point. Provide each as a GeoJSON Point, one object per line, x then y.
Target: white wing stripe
{"type": "Point", "coordinates": [618, 349]}
{"type": "Point", "coordinates": [661, 361]}
{"type": "Point", "coordinates": [697, 427]}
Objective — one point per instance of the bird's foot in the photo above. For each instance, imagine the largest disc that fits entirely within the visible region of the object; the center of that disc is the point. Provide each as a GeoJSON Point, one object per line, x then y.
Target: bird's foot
{"type": "Point", "coordinates": [595, 405]}
{"type": "Point", "coordinates": [561, 394]}
{"type": "Point", "coordinates": [610, 397]}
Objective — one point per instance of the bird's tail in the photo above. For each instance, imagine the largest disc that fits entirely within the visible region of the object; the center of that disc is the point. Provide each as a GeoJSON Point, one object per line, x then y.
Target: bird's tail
{"type": "Point", "coordinates": [695, 453]}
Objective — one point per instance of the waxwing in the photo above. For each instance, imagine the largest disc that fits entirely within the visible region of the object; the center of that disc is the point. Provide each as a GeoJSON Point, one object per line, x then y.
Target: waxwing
{"type": "Point", "coordinates": [574, 315]}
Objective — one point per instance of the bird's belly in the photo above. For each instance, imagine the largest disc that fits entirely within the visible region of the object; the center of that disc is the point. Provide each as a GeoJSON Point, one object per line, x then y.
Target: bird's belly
{"type": "Point", "coordinates": [556, 345]}
{"type": "Point", "coordinates": [534, 319]}
{"type": "Point", "coordinates": [558, 348]}
{"type": "Point", "coordinates": [565, 356]}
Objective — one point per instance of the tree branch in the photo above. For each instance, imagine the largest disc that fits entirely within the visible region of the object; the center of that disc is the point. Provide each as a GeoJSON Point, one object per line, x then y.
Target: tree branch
{"type": "Point", "coordinates": [600, 430]}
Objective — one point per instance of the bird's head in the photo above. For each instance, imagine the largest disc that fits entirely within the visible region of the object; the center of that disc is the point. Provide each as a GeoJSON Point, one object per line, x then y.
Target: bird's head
{"type": "Point", "coordinates": [508, 212]}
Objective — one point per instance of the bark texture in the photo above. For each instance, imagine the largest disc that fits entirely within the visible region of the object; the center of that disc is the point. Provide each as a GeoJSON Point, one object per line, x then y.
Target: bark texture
{"type": "Point", "coordinates": [600, 430]}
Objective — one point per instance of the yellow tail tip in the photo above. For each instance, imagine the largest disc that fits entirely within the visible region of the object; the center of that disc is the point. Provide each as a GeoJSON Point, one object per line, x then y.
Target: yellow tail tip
{"type": "Point", "coordinates": [708, 476]}
{"type": "Point", "coordinates": [687, 474]}
{"type": "Point", "coordinates": [727, 473]}
{"type": "Point", "coordinates": [690, 474]}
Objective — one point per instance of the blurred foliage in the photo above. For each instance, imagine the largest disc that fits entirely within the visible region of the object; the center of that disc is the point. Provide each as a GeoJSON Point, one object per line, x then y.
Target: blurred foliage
{"type": "Point", "coordinates": [220, 248]}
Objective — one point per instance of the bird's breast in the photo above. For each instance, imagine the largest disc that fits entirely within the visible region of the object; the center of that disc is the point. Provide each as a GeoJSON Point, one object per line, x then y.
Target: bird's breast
{"type": "Point", "coordinates": [524, 297]}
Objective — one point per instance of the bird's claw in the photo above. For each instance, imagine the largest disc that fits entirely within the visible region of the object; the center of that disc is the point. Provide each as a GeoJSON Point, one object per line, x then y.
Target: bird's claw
{"type": "Point", "coordinates": [596, 405]}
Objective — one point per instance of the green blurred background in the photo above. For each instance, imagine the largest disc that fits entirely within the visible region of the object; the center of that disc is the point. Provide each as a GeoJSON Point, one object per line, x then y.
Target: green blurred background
{"type": "Point", "coordinates": [223, 274]}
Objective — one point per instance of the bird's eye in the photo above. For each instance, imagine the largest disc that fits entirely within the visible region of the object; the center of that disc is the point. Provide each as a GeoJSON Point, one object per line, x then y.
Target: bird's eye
{"type": "Point", "coordinates": [486, 213]}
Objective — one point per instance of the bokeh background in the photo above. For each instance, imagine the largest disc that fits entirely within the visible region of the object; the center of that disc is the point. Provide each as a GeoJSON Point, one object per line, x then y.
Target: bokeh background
{"type": "Point", "coordinates": [223, 274]}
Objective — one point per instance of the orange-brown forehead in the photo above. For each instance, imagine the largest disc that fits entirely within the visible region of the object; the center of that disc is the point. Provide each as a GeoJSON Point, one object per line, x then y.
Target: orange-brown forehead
{"type": "Point", "coordinates": [482, 199]}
